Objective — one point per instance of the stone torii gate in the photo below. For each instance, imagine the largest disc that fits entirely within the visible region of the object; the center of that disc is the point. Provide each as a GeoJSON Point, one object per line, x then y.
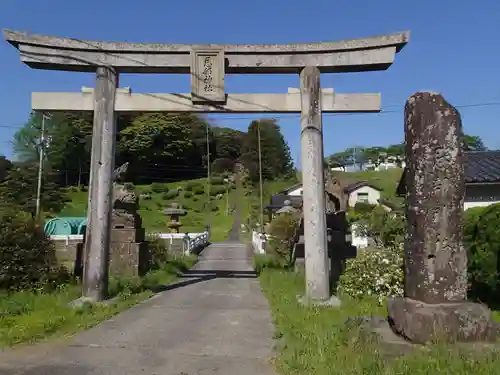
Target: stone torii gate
{"type": "Point", "coordinates": [207, 65]}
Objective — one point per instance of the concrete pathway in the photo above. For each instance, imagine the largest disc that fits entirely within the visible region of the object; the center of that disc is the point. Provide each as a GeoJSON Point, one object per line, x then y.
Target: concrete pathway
{"type": "Point", "coordinates": [214, 321]}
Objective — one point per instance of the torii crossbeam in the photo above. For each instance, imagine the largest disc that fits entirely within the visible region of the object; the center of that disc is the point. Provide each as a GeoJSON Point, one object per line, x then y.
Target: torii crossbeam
{"type": "Point", "coordinates": [207, 65]}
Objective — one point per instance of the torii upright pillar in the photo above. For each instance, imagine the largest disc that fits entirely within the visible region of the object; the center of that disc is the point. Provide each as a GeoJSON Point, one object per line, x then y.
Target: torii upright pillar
{"type": "Point", "coordinates": [97, 235]}
{"type": "Point", "coordinates": [313, 187]}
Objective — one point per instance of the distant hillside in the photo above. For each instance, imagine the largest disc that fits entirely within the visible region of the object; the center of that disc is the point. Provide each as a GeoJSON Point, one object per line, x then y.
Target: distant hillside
{"type": "Point", "coordinates": [387, 180]}
{"type": "Point", "coordinates": [192, 196]}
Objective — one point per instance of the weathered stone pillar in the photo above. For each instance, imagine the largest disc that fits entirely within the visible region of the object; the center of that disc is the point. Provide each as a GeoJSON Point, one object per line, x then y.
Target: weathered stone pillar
{"type": "Point", "coordinates": [315, 242]}
{"type": "Point", "coordinates": [435, 306]}
{"type": "Point", "coordinates": [97, 239]}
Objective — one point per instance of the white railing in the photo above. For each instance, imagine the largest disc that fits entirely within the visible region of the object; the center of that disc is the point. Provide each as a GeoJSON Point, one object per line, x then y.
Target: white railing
{"type": "Point", "coordinates": [259, 241]}
{"type": "Point", "coordinates": [192, 243]}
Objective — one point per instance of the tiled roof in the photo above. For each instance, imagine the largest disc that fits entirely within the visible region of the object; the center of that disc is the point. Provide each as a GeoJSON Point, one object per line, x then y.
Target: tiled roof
{"type": "Point", "coordinates": [291, 188]}
{"type": "Point", "coordinates": [482, 166]}
{"type": "Point", "coordinates": [354, 186]}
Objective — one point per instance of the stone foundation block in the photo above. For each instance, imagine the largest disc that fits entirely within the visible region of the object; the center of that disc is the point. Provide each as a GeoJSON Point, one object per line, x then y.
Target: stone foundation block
{"type": "Point", "coordinates": [128, 259]}
{"type": "Point", "coordinates": [423, 323]}
{"type": "Point", "coordinates": [133, 235]}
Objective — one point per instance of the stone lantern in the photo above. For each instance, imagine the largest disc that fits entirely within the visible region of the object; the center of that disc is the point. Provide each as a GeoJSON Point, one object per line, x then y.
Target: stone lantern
{"type": "Point", "coordinates": [287, 208]}
{"type": "Point", "coordinates": [175, 211]}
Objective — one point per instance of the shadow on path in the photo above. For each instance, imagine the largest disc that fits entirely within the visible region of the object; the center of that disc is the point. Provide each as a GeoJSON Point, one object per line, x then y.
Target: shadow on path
{"type": "Point", "coordinates": [199, 276]}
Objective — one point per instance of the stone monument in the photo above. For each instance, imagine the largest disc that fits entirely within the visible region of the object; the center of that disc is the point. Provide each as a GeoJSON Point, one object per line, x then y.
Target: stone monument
{"type": "Point", "coordinates": [128, 250]}
{"type": "Point", "coordinates": [435, 305]}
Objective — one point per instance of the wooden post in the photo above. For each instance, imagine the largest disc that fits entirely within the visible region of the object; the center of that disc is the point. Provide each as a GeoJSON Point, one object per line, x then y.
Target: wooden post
{"type": "Point", "coordinates": [97, 239]}
{"type": "Point", "coordinates": [315, 241]}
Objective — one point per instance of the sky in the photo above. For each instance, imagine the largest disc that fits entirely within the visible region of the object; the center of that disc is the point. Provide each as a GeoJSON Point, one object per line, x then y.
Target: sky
{"type": "Point", "coordinates": [454, 49]}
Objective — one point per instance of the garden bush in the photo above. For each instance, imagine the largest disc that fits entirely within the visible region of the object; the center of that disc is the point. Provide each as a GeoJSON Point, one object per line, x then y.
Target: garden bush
{"type": "Point", "coordinates": [216, 190]}
{"type": "Point", "coordinates": [387, 229]}
{"type": "Point", "coordinates": [376, 273]}
{"type": "Point", "coordinates": [192, 185]}
{"type": "Point", "coordinates": [363, 207]}
{"type": "Point", "coordinates": [216, 180]}
{"type": "Point", "coordinates": [27, 255]}
{"type": "Point", "coordinates": [159, 188]}
{"type": "Point", "coordinates": [282, 235]}
{"type": "Point", "coordinates": [188, 194]}
{"type": "Point", "coordinates": [158, 251]}
{"type": "Point", "coordinates": [482, 241]}
{"type": "Point", "coordinates": [199, 190]}
{"type": "Point", "coordinates": [170, 194]}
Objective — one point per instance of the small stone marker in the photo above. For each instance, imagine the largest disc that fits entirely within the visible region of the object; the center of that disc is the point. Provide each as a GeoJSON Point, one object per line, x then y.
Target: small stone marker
{"type": "Point", "coordinates": [435, 305]}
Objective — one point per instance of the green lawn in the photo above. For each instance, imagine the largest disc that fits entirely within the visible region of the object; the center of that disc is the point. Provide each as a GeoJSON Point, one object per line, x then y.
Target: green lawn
{"type": "Point", "coordinates": [317, 341]}
{"type": "Point", "coordinates": [27, 317]}
{"type": "Point", "coordinates": [152, 210]}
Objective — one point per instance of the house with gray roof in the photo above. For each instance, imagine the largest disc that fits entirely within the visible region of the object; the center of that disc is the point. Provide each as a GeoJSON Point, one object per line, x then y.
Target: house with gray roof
{"type": "Point", "coordinates": [360, 191]}
{"type": "Point", "coordinates": [482, 179]}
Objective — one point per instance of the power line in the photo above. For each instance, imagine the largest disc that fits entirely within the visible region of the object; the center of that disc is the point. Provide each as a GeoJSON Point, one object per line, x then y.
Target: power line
{"type": "Point", "coordinates": [222, 116]}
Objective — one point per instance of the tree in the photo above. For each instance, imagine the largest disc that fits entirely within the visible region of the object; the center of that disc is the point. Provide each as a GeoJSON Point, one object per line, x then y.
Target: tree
{"type": "Point", "coordinates": [68, 138]}
{"type": "Point", "coordinates": [155, 143]}
{"type": "Point", "coordinates": [5, 167]}
{"type": "Point", "coordinates": [472, 143]}
{"type": "Point", "coordinates": [275, 153]}
{"type": "Point", "coordinates": [228, 143]}
{"type": "Point", "coordinates": [20, 186]}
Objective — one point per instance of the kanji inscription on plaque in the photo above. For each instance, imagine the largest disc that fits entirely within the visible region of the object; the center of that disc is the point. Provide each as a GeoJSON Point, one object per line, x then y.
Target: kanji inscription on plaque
{"type": "Point", "coordinates": [207, 76]}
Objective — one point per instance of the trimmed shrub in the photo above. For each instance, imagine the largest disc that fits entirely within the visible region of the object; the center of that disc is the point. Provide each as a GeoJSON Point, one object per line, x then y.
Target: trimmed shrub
{"type": "Point", "coordinates": [216, 180]}
{"type": "Point", "coordinates": [199, 190]}
{"type": "Point", "coordinates": [375, 273]}
{"type": "Point", "coordinates": [170, 194]}
{"type": "Point", "coordinates": [188, 194]}
{"type": "Point", "coordinates": [192, 185]}
{"type": "Point", "coordinates": [27, 255]}
{"type": "Point", "coordinates": [159, 188]}
{"type": "Point", "coordinates": [215, 190]}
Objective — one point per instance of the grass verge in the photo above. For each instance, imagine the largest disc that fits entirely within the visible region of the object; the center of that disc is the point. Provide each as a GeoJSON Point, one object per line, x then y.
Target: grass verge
{"type": "Point", "coordinates": [317, 340]}
{"type": "Point", "coordinates": [27, 317]}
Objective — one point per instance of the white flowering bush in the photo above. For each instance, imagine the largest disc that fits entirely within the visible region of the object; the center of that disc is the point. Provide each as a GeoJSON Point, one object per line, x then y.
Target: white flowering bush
{"type": "Point", "coordinates": [375, 273]}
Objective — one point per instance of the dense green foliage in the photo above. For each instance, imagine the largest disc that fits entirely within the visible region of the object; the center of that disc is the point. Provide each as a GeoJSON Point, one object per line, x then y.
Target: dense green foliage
{"type": "Point", "coordinates": [276, 160]}
{"type": "Point", "coordinates": [482, 241]}
{"type": "Point", "coordinates": [282, 233]}
{"type": "Point", "coordinates": [27, 256]}
{"type": "Point", "coordinates": [376, 273]}
{"type": "Point", "coordinates": [158, 146]}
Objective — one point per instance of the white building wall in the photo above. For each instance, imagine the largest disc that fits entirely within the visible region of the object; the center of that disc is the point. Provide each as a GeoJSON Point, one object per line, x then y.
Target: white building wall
{"type": "Point", "coordinates": [296, 192]}
{"type": "Point", "coordinates": [481, 195]}
{"type": "Point", "coordinates": [372, 194]}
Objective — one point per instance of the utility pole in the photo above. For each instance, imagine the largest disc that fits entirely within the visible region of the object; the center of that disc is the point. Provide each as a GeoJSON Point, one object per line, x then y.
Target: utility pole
{"type": "Point", "coordinates": [209, 212]}
{"type": "Point", "coordinates": [260, 182]}
{"type": "Point", "coordinates": [40, 168]}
